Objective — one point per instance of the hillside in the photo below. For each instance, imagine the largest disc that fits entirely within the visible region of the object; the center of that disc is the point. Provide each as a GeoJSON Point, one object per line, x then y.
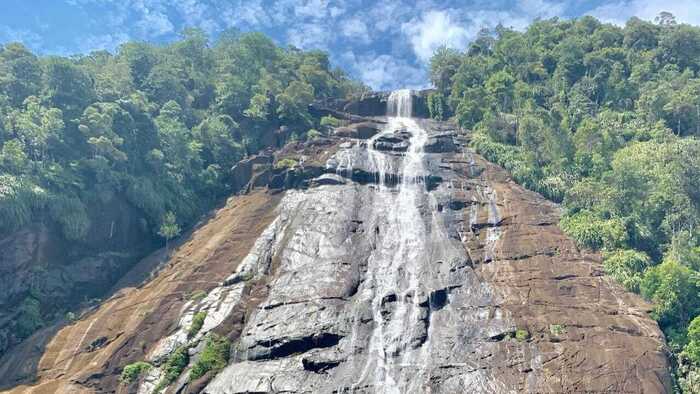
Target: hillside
{"type": "Point", "coordinates": [395, 260]}
{"type": "Point", "coordinates": [606, 120]}
{"type": "Point", "coordinates": [104, 157]}
{"type": "Point", "coordinates": [234, 216]}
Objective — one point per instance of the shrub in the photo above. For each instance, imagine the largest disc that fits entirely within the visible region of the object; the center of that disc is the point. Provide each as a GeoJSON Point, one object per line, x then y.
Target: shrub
{"type": "Point", "coordinates": [522, 335]}
{"type": "Point", "coordinates": [142, 193]}
{"type": "Point", "coordinates": [177, 362]}
{"type": "Point", "coordinates": [329, 121]}
{"type": "Point", "coordinates": [287, 162]}
{"type": "Point", "coordinates": [593, 232]}
{"type": "Point", "coordinates": [313, 134]}
{"type": "Point", "coordinates": [692, 349]}
{"type": "Point", "coordinates": [29, 319]}
{"type": "Point", "coordinates": [18, 199]}
{"type": "Point", "coordinates": [557, 329]}
{"type": "Point", "coordinates": [214, 357]}
{"type": "Point", "coordinates": [437, 106]}
{"type": "Point", "coordinates": [71, 214]}
{"type": "Point", "coordinates": [674, 290]}
{"type": "Point", "coordinates": [133, 371]}
{"type": "Point", "coordinates": [626, 267]}
{"type": "Point", "coordinates": [197, 322]}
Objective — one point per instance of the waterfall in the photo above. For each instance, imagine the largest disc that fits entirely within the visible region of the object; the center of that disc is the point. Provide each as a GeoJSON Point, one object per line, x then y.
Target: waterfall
{"type": "Point", "coordinates": [401, 256]}
{"type": "Point", "coordinates": [400, 103]}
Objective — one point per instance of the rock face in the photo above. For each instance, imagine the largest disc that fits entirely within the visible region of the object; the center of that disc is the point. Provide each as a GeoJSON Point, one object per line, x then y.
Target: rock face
{"type": "Point", "coordinates": [423, 269]}
{"type": "Point", "coordinates": [37, 259]}
{"type": "Point", "coordinates": [375, 104]}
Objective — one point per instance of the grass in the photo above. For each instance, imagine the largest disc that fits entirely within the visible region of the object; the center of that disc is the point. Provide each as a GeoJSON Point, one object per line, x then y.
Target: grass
{"type": "Point", "coordinates": [197, 295]}
{"type": "Point", "coordinates": [197, 322]}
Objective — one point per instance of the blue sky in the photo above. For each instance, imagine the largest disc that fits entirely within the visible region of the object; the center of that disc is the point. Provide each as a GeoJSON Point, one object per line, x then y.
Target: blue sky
{"type": "Point", "coordinates": [387, 43]}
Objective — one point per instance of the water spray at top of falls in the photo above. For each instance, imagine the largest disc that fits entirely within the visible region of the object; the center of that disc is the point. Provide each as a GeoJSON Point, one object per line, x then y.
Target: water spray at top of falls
{"type": "Point", "coordinates": [399, 104]}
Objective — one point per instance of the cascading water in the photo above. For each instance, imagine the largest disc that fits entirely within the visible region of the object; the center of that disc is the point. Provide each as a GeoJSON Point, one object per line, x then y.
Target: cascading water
{"type": "Point", "coordinates": [395, 268]}
{"type": "Point", "coordinates": [399, 104]}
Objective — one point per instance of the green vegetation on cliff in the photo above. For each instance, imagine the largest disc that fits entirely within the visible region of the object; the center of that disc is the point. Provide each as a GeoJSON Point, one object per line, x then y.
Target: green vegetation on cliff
{"type": "Point", "coordinates": [159, 126]}
{"type": "Point", "coordinates": [605, 119]}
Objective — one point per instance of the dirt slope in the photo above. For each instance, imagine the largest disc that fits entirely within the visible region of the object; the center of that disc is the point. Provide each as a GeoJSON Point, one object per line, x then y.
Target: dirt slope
{"type": "Point", "coordinates": [93, 350]}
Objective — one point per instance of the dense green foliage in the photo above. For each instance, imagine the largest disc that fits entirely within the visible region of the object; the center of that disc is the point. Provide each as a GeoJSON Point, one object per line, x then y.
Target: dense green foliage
{"type": "Point", "coordinates": [133, 371]}
{"type": "Point", "coordinates": [29, 317]}
{"type": "Point", "coordinates": [605, 119]}
{"type": "Point", "coordinates": [161, 124]}
{"type": "Point", "coordinates": [213, 357]}
{"type": "Point", "coordinates": [158, 126]}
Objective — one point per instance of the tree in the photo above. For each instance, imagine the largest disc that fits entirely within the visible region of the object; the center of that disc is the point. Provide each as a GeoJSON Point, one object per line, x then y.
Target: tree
{"type": "Point", "coordinates": [607, 120]}
{"type": "Point", "coordinates": [20, 73]}
{"type": "Point", "coordinates": [627, 267]}
{"type": "Point", "coordinates": [294, 101]}
{"type": "Point", "coordinates": [674, 290]}
{"type": "Point", "coordinates": [36, 127]}
{"type": "Point", "coordinates": [665, 19]}
{"type": "Point", "coordinates": [437, 106]}
{"type": "Point", "coordinates": [67, 86]}
{"type": "Point", "coordinates": [161, 126]}
{"type": "Point", "coordinates": [471, 107]}
{"type": "Point", "coordinates": [680, 45]}
{"type": "Point", "coordinates": [692, 349]}
{"type": "Point", "coordinates": [12, 157]}
{"type": "Point", "coordinates": [169, 228]}
{"type": "Point", "coordinates": [443, 66]}
{"type": "Point", "coordinates": [501, 86]}
{"type": "Point", "coordinates": [640, 35]}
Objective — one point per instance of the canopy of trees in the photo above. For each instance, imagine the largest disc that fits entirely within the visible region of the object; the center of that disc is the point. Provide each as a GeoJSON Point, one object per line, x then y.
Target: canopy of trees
{"type": "Point", "coordinates": [161, 124]}
{"type": "Point", "coordinates": [605, 119]}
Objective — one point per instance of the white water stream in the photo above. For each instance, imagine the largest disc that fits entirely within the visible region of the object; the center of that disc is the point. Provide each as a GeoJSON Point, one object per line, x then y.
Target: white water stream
{"type": "Point", "coordinates": [395, 268]}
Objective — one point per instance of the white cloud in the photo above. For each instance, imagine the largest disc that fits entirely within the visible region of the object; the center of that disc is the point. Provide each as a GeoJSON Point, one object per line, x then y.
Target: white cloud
{"type": "Point", "coordinates": [432, 30]}
{"type": "Point", "coordinates": [152, 20]}
{"type": "Point", "coordinates": [308, 36]}
{"type": "Point", "coordinates": [250, 13]}
{"type": "Point", "coordinates": [196, 13]}
{"type": "Point", "coordinates": [27, 37]}
{"type": "Point", "coordinates": [356, 29]}
{"type": "Point", "coordinates": [385, 72]}
{"type": "Point", "coordinates": [618, 12]}
{"type": "Point", "coordinates": [540, 8]}
{"type": "Point", "coordinates": [387, 15]}
{"type": "Point", "coordinates": [311, 8]}
{"type": "Point", "coordinates": [385, 43]}
{"type": "Point", "coordinates": [108, 42]}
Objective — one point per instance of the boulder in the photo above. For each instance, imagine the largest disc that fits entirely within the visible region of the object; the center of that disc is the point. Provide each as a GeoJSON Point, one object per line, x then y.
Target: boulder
{"type": "Point", "coordinates": [441, 143]}
{"type": "Point", "coordinates": [328, 179]}
{"type": "Point", "coordinates": [397, 142]}
{"type": "Point", "coordinates": [362, 130]}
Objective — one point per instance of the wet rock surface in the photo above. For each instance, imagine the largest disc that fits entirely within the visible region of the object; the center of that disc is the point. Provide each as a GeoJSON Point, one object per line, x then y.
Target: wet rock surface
{"type": "Point", "coordinates": [485, 260]}
{"type": "Point", "coordinates": [397, 263]}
